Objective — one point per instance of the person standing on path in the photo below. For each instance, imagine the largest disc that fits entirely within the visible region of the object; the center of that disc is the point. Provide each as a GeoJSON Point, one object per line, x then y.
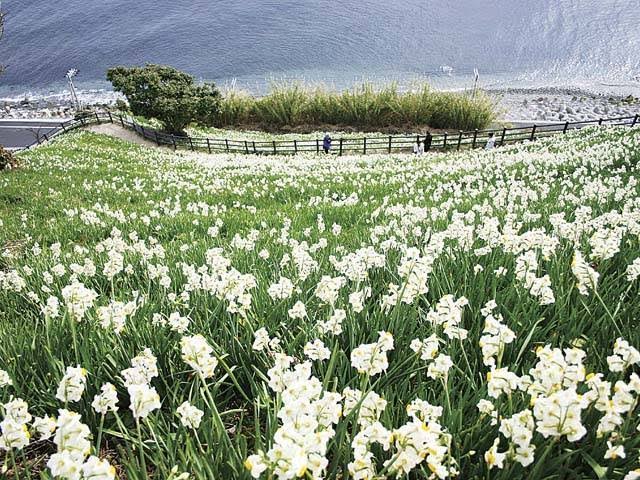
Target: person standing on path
{"type": "Point", "coordinates": [427, 141]}
{"type": "Point", "coordinates": [418, 148]}
{"type": "Point", "coordinates": [491, 142]}
{"type": "Point", "coordinates": [326, 143]}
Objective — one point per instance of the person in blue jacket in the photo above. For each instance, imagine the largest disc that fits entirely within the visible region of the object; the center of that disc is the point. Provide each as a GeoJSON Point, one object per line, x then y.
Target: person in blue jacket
{"type": "Point", "coordinates": [326, 143]}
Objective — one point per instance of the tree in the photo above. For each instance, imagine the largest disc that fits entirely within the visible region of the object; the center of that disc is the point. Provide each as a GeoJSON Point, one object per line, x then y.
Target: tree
{"type": "Point", "coordinates": [166, 94]}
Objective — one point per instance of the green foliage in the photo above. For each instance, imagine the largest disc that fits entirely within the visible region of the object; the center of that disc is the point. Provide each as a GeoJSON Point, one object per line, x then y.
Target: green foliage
{"type": "Point", "coordinates": [167, 94]}
{"type": "Point", "coordinates": [283, 106]}
{"type": "Point", "coordinates": [83, 190]}
{"type": "Point", "coordinates": [122, 106]}
{"type": "Point", "coordinates": [364, 106]}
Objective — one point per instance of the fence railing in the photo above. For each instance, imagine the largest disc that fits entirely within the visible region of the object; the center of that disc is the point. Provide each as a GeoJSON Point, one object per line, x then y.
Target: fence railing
{"type": "Point", "coordinates": [364, 145]}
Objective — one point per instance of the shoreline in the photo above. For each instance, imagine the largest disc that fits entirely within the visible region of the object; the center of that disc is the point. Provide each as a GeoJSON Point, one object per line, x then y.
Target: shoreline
{"type": "Point", "coordinates": [514, 105]}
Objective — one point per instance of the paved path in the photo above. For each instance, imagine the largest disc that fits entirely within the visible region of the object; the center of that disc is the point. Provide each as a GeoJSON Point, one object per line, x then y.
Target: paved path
{"type": "Point", "coordinates": [125, 134]}
{"type": "Point", "coordinates": [19, 133]}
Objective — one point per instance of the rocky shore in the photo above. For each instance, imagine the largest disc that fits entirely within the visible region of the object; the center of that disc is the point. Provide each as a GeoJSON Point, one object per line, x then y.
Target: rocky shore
{"type": "Point", "coordinates": [514, 105]}
{"type": "Point", "coordinates": [58, 105]}
{"type": "Point", "coordinates": [562, 106]}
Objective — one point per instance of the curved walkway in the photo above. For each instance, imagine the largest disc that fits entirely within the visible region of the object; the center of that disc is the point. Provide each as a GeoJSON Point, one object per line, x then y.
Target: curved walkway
{"type": "Point", "coordinates": [127, 129]}
{"type": "Point", "coordinates": [122, 133]}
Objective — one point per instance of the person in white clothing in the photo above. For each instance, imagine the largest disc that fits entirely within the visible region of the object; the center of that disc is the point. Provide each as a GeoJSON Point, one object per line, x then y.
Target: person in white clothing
{"type": "Point", "coordinates": [491, 142]}
{"type": "Point", "coordinates": [418, 147]}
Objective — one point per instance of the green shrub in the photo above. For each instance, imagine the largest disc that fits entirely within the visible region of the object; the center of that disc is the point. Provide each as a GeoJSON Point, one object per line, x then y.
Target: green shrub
{"type": "Point", "coordinates": [167, 94]}
{"type": "Point", "coordinates": [293, 104]}
{"type": "Point", "coordinates": [236, 109]}
{"type": "Point", "coordinates": [285, 105]}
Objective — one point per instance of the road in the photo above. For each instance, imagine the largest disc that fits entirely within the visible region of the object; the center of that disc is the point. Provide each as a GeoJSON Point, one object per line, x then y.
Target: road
{"type": "Point", "coordinates": [18, 133]}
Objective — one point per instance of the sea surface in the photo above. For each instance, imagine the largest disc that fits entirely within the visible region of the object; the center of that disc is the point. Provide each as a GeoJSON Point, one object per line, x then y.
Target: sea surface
{"type": "Point", "coordinates": [577, 44]}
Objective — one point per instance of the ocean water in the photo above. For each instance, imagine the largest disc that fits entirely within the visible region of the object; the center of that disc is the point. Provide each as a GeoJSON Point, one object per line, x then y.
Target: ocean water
{"type": "Point", "coordinates": [588, 44]}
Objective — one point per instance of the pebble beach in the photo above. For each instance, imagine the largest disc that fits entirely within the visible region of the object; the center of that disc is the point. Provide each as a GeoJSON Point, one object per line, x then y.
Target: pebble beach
{"type": "Point", "coordinates": [513, 105]}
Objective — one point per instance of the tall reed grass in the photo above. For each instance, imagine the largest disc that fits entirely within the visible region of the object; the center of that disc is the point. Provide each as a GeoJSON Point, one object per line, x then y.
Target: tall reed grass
{"type": "Point", "coordinates": [365, 105]}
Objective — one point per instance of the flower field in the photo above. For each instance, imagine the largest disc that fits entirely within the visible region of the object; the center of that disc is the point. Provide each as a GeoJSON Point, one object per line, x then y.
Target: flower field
{"type": "Point", "coordinates": [173, 316]}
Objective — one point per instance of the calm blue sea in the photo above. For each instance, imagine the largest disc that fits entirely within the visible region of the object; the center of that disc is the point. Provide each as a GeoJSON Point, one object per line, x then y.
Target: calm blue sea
{"type": "Point", "coordinates": [592, 44]}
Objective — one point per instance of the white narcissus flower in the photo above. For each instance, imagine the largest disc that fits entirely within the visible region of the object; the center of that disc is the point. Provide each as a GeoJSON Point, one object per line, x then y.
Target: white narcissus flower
{"type": "Point", "coordinates": [72, 385]}
{"type": "Point", "coordinates": [255, 465]}
{"type": "Point", "coordinates": [493, 457]}
{"type": "Point", "coordinates": [427, 348]}
{"type": "Point", "coordinates": [45, 427]}
{"type": "Point", "coordinates": [65, 464]}
{"type": "Point", "coordinates": [624, 355]}
{"type": "Point", "coordinates": [106, 400]}
{"type": "Point", "coordinates": [97, 469]}
{"type": "Point", "coordinates": [298, 311]}
{"type": "Point", "coordinates": [144, 400]}
{"type": "Point", "coordinates": [72, 435]}
{"type": "Point", "coordinates": [633, 270]}
{"type": "Point", "coordinates": [13, 435]}
{"type": "Point", "coordinates": [17, 410]}
{"type": "Point", "coordinates": [78, 299]}
{"type": "Point", "coordinates": [614, 451]}
{"type": "Point", "coordinates": [586, 277]}
{"type": "Point", "coordinates": [633, 475]}
{"type": "Point", "coordinates": [440, 367]}
{"type": "Point", "coordinates": [261, 340]}
{"type": "Point", "coordinates": [371, 358]}
{"type": "Point", "coordinates": [316, 350]}
{"type": "Point", "coordinates": [178, 323]}
{"type": "Point", "coordinates": [5, 379]}
{"type": "Point", "coordinates": [198, 354]}
{"type": "Point", "coordinates": [281, 290]}
{"type": "Point", "coordinates": [52, 307]}
{"type": "Point", "coordinates": [190, 416]}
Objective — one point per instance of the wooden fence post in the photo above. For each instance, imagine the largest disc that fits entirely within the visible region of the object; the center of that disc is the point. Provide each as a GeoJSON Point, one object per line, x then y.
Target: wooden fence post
{"type": "Point", "coordinates": [175, 145]}
{"type": "Point", "coordinates": [191, 143]}
{"type": "Point", "coordinates": [444, 142]}
{"type": "Point", "coordinates": [390, 139]}
{"type": "Point", "coordinates": [157, 139]}
{"type": "Point", "coordinates": [340, 154]}
{"type": "Point", "coordinates": [600, 122]}
{"type": "Point", "coordinates": [533, 132]}
{"type": "Point", "coordinates": [122, 121]}
{"type": "Point", "coordinates": [246, 147]}
{"type": "Point", "coordinates": [226, 142]}
{"type": "Point", "coordinates": [64, 129]}
{"type": "Point", "coordinates": [635, 120]}
{"type": "Point", "coordinates": [110, 118]}
{"type": "Point", "coordinates": [97, 117]}
{"type": "Point", "coordinates": [475, 138]}
{"type": "Point", "coordinates": [317, 146]}
{"type": "Point", "coordinates": [208, 145]}
{"type": "Point", "coordinates": [295, 146]}
{"type": "Point", "coordinates": [275, 150]}
{"type": "Point", "coordinates": [566, 127]}
{"type": "Point", "coordinates": [364, 147]}
{"type": "Point", "coordinates": [504, 133]}
{"type": "Point", "coordinates": [459, 140]}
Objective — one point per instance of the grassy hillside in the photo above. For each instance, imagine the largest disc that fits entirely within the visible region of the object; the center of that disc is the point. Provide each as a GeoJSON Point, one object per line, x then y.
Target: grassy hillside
{"type": "Point", "coordinates": [455, 316]}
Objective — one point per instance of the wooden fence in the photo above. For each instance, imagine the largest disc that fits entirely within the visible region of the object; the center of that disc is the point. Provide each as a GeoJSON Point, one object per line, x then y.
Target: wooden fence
{"type": "Point", "coordinates": [364, 145]}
